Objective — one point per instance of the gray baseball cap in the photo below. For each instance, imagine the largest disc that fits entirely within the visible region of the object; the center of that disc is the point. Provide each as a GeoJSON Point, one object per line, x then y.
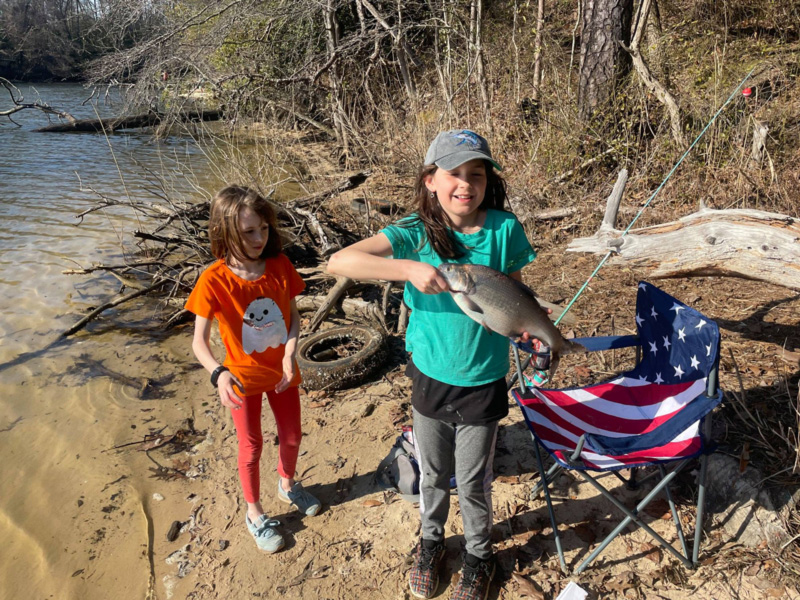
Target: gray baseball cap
{"type": "Point", "coordinates": [455, 147]}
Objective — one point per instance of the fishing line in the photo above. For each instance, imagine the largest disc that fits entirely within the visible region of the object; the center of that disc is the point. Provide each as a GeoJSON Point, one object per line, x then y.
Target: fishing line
{"type": "Point", "coordinates": [655, 193]}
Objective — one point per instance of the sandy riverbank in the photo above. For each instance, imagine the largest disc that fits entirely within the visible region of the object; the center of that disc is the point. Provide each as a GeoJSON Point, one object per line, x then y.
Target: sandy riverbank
{"type": "Point", "coordinates": [358, 545]}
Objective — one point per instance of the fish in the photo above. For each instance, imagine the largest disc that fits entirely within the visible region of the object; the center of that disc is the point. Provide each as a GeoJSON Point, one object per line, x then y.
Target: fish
{"type": "Point", "coordinates": [505, 306]}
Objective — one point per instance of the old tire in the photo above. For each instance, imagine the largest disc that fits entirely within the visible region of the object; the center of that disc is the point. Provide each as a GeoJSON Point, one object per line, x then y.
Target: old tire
{"type": "Point", "coordinates": [320, 366]}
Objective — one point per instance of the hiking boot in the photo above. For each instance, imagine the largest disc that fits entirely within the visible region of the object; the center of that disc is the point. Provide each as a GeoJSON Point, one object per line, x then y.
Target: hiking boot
{"type": "Point", "coordinates": [423, 578]}
{"type": "Point", "coordinates": [305, 502]}
{"type": "Point", "coordinates": [476, 576]}
{"type": "Point", "coordinates": [263, 530]}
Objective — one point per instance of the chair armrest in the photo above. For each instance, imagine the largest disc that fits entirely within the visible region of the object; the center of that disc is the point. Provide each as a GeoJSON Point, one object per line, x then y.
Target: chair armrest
{"type": "Point", "coordinates": [593, 344]}
{"type": "Point", "coordinates": [596, 344]}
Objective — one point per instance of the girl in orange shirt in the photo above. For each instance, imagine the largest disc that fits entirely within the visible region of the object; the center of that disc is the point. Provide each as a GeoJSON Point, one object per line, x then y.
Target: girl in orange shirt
{"type": "Point", "coordinates": [250, 290]}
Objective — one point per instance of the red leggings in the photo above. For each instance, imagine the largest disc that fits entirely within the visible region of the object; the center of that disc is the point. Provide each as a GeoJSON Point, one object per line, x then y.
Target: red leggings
{"type": "Point", "coordinates": [286, 408]}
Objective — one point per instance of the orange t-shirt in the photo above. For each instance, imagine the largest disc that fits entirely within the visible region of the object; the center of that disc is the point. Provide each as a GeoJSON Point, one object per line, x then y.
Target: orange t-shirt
{"type": "Point", "coordinates": [254, 318]}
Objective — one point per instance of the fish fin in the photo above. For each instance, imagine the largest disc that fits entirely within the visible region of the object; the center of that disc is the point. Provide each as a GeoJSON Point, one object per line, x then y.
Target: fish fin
{"type": "Point", "coordinates": [523, 287]}
{"type": "Point", "coordinates": [470, 304]}
{"type": "Point", "coordinates": [486, 327]}
{"type": "Point", "coordinates": [554, 360]}
{"type": "Point", "coordinates": [557, 311]}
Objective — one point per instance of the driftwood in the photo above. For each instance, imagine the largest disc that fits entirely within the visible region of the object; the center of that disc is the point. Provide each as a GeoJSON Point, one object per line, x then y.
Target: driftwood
{"type": "Point", "coordinates": [336, 292]}
{"type": "Point", "coordinates": [750, 244]}
{"type": "Point", "coordinates": [185, 251]}
{"type": "Point", "coordinates": [80, 324]}
{"type": "Point", "coordinates": [352, 307]}
{"type": "Point", "coordinates": [350, 183]}
{"type": "Point", "coordinates": [133, 122]}
{"type": "Point", "coordinates": [607, 230]}
{"type": "Point", "coordinates": [18, 100]}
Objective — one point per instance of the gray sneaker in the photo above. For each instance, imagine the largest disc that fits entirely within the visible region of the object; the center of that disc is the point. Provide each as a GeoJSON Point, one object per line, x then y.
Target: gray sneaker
{"type": "Point", "coordinates": [267, 537]}
{"type": "Point", "coordinates": [305, 502]}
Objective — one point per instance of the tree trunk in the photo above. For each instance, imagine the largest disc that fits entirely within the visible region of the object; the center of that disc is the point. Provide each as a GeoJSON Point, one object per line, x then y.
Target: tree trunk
{"type": "Point", "coordinates": [401, 47]}
{"type": "Point", "coordinates": [656, 52]}
{"type": "Point", "coordinates": [332, 43]}
{"type": "Point", "coordinates": [537, 54]}
{"type": "Point", "coordinates": [476, 27]}
{"type": "Point", "coordinates": [603, 62]}
{"type": "Point", "coordinates": [651, 83]}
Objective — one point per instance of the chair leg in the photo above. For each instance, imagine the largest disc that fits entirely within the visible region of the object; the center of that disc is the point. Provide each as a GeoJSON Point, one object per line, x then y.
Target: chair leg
{"type": "Point", "coordinates": [632, 515]}
{"type": "Point", "coordinates": [549, 501]}
{"type": "Point", "coordinates": [701, 493]}
{"type": "Point", "coordinates": [674, 512]}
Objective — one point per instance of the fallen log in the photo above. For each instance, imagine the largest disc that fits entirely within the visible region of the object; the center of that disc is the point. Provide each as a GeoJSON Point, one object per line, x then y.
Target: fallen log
{"type": "Point", "coordinates": [132, 122]}
{"type": "Point", "coordinates": [349, 183]}
{"type": "Point", "coordinates": [744, 243]}
{"type": "Point", "coordinates": [351, 307]}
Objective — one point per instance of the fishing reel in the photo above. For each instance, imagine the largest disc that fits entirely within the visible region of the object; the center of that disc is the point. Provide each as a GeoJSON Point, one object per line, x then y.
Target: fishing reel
{"type": "Point", "coordinates": [540, 357]}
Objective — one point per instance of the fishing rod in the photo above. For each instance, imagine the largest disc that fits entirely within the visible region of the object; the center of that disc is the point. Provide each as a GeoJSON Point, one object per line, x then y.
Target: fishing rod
{"type": "Point", "coordinates": [654, 194]}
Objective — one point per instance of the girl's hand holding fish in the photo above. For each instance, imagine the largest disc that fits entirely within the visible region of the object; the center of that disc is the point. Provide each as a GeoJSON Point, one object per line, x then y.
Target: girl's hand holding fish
{"type": "Point", "coordinates": [426, 278]}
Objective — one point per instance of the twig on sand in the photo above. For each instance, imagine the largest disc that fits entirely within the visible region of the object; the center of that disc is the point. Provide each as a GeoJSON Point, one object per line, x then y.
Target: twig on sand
{"type": "Point", "coordinates": [79, 325]}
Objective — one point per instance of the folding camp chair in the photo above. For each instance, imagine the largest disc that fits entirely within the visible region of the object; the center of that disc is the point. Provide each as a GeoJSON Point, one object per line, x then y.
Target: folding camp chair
{"type": "Point", "coordinates": [652, 415]}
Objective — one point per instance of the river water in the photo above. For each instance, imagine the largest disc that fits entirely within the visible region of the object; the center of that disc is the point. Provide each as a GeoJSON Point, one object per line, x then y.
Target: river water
{"type": "Point", "coordinates": [58, 420]}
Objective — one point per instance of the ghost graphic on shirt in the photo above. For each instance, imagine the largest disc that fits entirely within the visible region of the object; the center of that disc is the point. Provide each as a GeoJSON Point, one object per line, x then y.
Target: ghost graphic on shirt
{"type": "Point", "coordinates": [263, 326]}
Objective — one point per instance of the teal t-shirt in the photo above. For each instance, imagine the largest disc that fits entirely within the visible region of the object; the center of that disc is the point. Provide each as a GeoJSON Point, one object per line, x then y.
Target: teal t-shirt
{"type": "Point", "coordinates": [446, 344]}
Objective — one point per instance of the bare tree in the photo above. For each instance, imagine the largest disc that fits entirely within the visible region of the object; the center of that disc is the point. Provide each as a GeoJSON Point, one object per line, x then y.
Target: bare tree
{"type": "Point", "coordinates": [650, 82]}
{"type": "Point", "coordinates": [537, 53]}
{"type": "Point", "coordinates": [476, 44]}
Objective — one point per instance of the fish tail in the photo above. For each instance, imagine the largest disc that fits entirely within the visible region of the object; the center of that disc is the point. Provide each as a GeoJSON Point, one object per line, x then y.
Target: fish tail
{"type": "Point", "coordinates": [570, 347]}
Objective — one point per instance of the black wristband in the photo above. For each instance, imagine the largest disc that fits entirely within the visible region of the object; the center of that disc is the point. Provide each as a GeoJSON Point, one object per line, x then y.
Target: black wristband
{"type": "Point", "coordinates": [216, 373]}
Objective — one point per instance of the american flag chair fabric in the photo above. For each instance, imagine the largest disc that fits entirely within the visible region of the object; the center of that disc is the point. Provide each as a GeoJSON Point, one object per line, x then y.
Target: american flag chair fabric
{"type": "Point", "coordinates": [650, 416]}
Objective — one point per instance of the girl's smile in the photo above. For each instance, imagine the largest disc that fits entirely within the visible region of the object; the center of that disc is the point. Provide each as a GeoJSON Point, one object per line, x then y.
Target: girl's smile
{"type": "Point", "coordinates": [460, 191]}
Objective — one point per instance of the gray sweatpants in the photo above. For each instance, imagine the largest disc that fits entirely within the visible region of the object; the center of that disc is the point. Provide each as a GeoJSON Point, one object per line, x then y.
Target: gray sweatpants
{"type": "Point", "coordinates": [440, 447]}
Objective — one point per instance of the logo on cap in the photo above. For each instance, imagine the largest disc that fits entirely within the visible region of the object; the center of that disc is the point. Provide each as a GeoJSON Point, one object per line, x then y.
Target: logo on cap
{"type": "Point", "coordinates": [467, 137]}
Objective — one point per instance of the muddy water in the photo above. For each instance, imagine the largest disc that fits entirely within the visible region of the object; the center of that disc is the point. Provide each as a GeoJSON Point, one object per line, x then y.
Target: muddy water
{"type": "Point", "coordinates": [73, 513]}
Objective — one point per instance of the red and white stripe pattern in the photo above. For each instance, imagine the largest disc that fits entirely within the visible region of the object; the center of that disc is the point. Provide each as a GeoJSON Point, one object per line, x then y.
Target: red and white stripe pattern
{"type": "Point", "coordinates": [620, 407]}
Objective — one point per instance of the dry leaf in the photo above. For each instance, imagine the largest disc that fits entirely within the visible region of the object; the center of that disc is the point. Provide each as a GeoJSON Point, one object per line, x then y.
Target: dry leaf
{"type": "Point", "coordinates": [651, 552]}
{"type": "Point", "coordinates": [507, 479]}
{"type": "Point", "coordinates": [791, 357]}
{"type": "Point", "coordinates": [658, 509]}
{"type": "Point", "coordinates": [621, 583]}
{"type": "Point", "coordinates": [744, 457]}
{"type": "Point", "coordinates": [372, 503]}
{"type": "Point", "coordinates": [320, 404]}
{"type": "Point", "coordinates": [582, 371]}
{"type": "Point", "coordinates": [776, 592]}
{"type": "Point", "coordinates": [753, 570]}
{"type": "Point", "coordinates": [526, 587]}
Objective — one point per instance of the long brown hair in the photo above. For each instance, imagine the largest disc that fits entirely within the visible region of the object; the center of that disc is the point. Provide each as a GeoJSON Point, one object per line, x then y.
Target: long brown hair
{"type": "Point", "coordinates": [223, 222]}
{"type": "Point", "coordinates": [438, 225]}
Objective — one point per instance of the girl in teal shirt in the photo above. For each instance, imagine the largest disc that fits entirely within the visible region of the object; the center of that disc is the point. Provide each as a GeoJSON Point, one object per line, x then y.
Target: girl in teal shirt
{"type": "Point", "coordinates": [457, 368]}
